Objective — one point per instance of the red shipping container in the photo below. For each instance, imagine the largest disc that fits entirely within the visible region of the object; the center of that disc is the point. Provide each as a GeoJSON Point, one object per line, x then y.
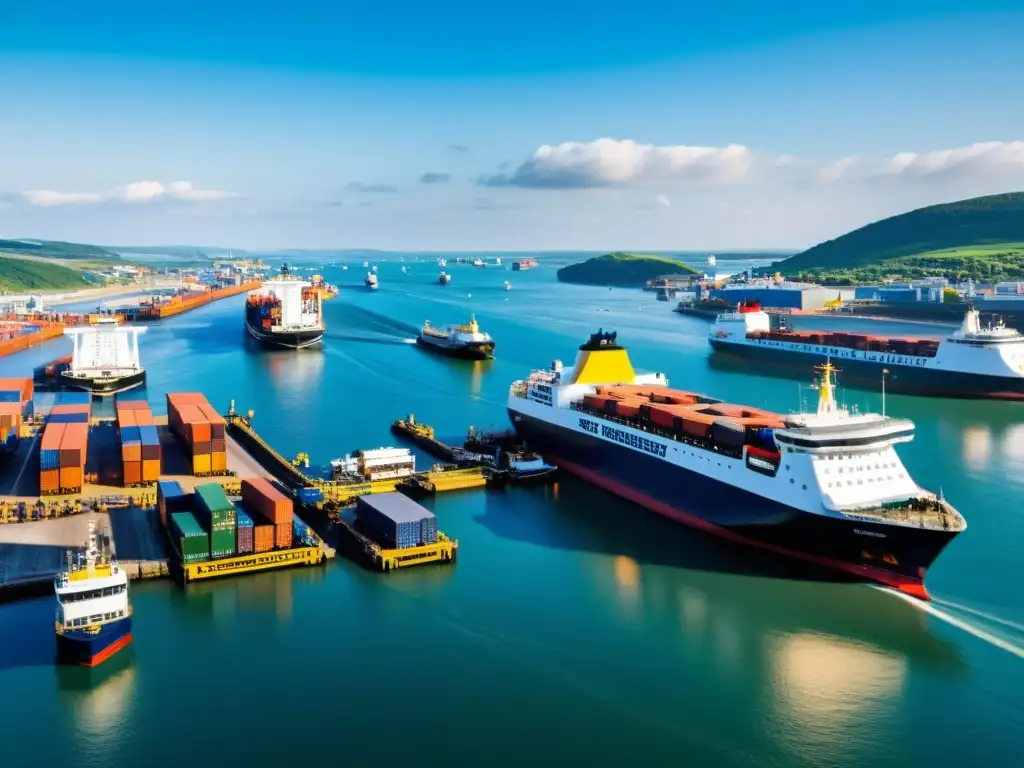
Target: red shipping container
{"type": "Point", "coordinates": [132, 472]}
{"type": "Point", "coordinates": [263, 538]}
{"type": "Point", "coordinates": [73, 446]}
{"type": "Point", "coordinates": [259, 494]}
{"type": "Point", "coordinates": [70, 409]}
{"type": "Point", "coordinates": [216, 421]}
{"type": "Point", "coordinates": [283, 535]}
{"type": "Point", "coordinates": [200, 449]}
{"type": "Point", "coordinates": [218, 446]}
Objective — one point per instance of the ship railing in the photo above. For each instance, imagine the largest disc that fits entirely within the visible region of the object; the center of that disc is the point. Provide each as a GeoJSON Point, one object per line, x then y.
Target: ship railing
{"type": "Point", "coordinates": [917, 512]}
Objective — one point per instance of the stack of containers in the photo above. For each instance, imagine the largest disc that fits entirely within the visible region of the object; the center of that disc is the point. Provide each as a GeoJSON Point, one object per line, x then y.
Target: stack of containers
{"type": "Point", "coordinates": [217, 515]}
{"type": "Point", "coordinates": [191, 541]}
{"type": "Point", "coordinates": [10, 426]}
{"type": "Point", "coordinates": [262, 534]}
{"type": "Point", "coordinates": [201, 429]}
{"type": "Point", "coordinates": [140, 443]}
{"type": "Point", "coordinates": [18, 391]}
{"type": "Point", "coordinates": [395, 521]}
{"type": "Point", "coordinates": [244, 541]}
{"type": "Point", "coordinates": [73, 448]}
{"type": "Point", "coordinates": [49, 459]}
{"type": "Point", "coordinates": [263, 500]}
{"type": "Point", "coordinates": [69, 414]}
{"type": "Point", "coordinates": [170, 498]}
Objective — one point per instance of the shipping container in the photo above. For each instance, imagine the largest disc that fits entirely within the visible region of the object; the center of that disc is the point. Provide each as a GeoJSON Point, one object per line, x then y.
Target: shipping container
{"type": "Point", "coordinates": [150, 470]}
{"type": "Point", "coordinates": [49, 447]}
{"type": "Point", "coordinates": [302, 533]}
{"type": "Point", "coordinates": [201, 464]}
{"type": "Point", "coordinates": [68, 418]}
{"type": "Point", "coordinates": [126, 419]}
{"type": "Point", "coordinates": [71, 478]}
{"type": "Point", "coordinates": [212, 508]}
{"type": "Point", "coordinates": [218, 462]}
{"type": "Point", "coordinates": [171, 498]}
{"type": "Point", "coordinates": [244, 541]}
{"type": "Point", "coordinates": [263, 536]}
{"type": "Point", "coordinates": [203, 448]}
{"type": "Point", "coordinates": [23, 386]}
{"type": "Point", "coordinates": [72, 398]}
{"type": "Point", "coordinates": [222, 542]}
{"type": "Point", "coordinates": [130, 435]}
{"type": "Point", "coordinates": [393, 519]}
{"type": "Point", "coordinates": [259, 494]}
{"type": "Point", "coordinates": [283, 535]}
{"type": "Point", "coordinates": [73, 445]}
{"type": "Point", "coordinates": [49, 480]}
{"type": "Point", "coordinates": [131, 470]}
{"type": "Point", "coordinates": [218, 446]}
{"type": "Point", "coordinates": [131, 405]}
{"type": "Point", "coordinates": [190, 540]}
{"type": "Point", "coordinates": [215, 420]}
{"type": "Point", "coordinates": [144, 419]}
{"type": "Point", "coordinates": [131, 451]}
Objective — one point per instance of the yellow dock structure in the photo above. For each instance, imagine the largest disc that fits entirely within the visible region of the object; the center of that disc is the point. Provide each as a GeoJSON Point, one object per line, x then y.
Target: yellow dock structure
{"type": "Point", "coordinates": [233, 566]}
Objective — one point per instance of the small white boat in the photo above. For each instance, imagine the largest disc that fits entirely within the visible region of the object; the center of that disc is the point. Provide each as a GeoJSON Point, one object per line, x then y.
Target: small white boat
{"type": "Point", "coordinates": [508, 286]}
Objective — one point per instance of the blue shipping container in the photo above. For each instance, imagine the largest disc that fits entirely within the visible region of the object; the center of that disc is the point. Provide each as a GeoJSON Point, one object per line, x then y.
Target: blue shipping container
{"type": "Point", "coordinates": [49, 459]}
{"type": "Point", "coordinates": [395, 520]}
{"type": "Point", "coordinates": [149, 435]}
{"type": "Point", "coordinates": [69, 418]}
{"type": "Point", "coordinates": [310, 495]}
{"type": "Point", "coordinates": [27, 409]}
{"type": "Point", "coordinates": [72, 398]}
{"type": "Point", "coordinates": [242, 517]}
{"type": "Point", "coordinates": [130, 435]}
{"type": "Point", "coordinates": [10, 395]}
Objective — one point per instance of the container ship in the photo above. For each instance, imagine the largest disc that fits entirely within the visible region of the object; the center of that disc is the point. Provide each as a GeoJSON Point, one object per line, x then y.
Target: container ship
{"type": "Point", "coordinates": [974, 362]}
{"type": "Point", "coordinates": [444, 278]}
{"type": "Point", "coordinates": [93, 616]}
{"type": "Point", "coordinates": [825, 487]}
{"type": "Point", "coordinates": [104, 359]}
{"type": "Point", "coordinates": [522, 266]}
{"type": "Point", "coordinates": [371, 281]}
{"type": "Point", "coordinates": [285, 312]}
{"type": "Point", "coordinates": [465, 341]}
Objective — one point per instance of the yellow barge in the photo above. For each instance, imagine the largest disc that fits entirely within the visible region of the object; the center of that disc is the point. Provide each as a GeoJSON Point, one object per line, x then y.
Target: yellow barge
{"type": "Point", "coordinates": [375, 557]}
{"type": "Point", "coordinates": [233, 566]}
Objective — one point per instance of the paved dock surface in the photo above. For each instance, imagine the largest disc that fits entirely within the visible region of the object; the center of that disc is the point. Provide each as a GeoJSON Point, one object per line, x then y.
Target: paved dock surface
{"type": "Point", "coordinates": [137, 535]}
{"type": "Point", "coordinates": [35, 552]}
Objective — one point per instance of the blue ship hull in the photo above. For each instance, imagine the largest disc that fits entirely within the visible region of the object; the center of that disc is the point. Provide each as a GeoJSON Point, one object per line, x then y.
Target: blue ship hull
{"type": "Point", "coordinates": [894, 555]}
{"type": "Point", "coordinates": [77, 646]}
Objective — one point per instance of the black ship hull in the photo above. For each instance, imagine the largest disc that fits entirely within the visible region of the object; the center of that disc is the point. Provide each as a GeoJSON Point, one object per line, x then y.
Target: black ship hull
{"type": "Point", "coordinates": [482, 350]}
{"type": "Point", "coordinates": [900, 379]}
{"type": "Point", "coordinates": [104, 386]}
{"type": "Point", "coordinates": [894, 555]}
{"type": "Point", "coordinates": [287, 339]}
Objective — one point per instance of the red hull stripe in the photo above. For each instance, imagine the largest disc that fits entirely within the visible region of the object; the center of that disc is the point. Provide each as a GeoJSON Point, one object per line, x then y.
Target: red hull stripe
{"type": "Point", "coordinates": [912, 587]}
{"type": "Point", "coordinates": [107, 652]}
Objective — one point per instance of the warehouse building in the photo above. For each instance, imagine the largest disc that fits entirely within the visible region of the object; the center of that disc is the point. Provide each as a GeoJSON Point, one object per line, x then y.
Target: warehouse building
{"type": "Point", "coordinates": [783, 295]}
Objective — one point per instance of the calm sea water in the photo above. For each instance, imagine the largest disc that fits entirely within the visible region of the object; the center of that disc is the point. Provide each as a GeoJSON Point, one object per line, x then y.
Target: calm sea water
{"type": "Point", "coordinates": [575, 627]}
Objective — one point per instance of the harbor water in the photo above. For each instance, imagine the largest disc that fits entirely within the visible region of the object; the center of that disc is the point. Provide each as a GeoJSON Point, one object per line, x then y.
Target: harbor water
{"type": "Point", "coordinates": [575, 628]}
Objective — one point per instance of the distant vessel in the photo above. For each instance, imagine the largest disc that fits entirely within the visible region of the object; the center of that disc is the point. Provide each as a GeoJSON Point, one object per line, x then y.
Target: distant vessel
{"type": "Point", "coordinates": [285, 312]}
{"type": "Point", "coordinates": [973, 362]}
{"type": "Point", "coordinates": [344, 267]}
{"type": "Point", "coordinates": [521, 266]}
{"type": "Point", "coordinates": [366, 264]}
{"type": "Point", "coordinates": [444, 278]}
{"type": "Point", "coordinates": [378, 464]}
{"type": "Point", "coordinates": [442, 263]}
{"type": "Point", "coordinates": [374, 270]}
{"type": "Point", "coordinates": [712, 261]}
{"type": "Point", "coordinates": [93, 618]}
{"type": "Point", "coordinates": [105, 358]}
{"type": "Point", "coordinates": [403, 268]}
{"type": "Point", "coordinates": [497, 261]}
{"type": "Point", "coordinates": [371, 281]}
{"type": "Point", "coordinates": [508, 286]}
{"type": "Point", "coordinates": [825, 486]}
{"type": "Point", "coordinates": [465, 341]}
{"type": "Point", "coordinates": [478, 263]}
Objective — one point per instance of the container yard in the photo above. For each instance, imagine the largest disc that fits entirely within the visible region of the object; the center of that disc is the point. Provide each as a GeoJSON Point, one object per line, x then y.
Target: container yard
{"type": "Point", "coordinates": [158, 307]}
{"type": "Point", "coordinates": [201, 430]}
{"type": "Point", "coordinates": [16, 336]}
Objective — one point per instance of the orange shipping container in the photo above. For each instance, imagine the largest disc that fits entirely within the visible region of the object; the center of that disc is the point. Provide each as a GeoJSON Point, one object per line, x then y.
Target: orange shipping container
{"type": "Point", "coordinates": [73, 446]}
{"type": "Point", "coordinates": [71, 478]}
{"type": "Point", "coordinates": [49, 481]}
{"type": "Point", "coordinates": [131, 452]}
{"type": "Point", "coordinates": [201, 464]}
{"type": "Point", "coordinates": [10, 416]}
{"type": "Point", "coordinates": [132, 472]}
{"type": "Point", "coordinates": [126, 419]}
{"type": "Point", "coordinates": [150, 470]}
{"type": "Point", "coordinates": [218, 462]}
{"type": "Point", "coordinates": [24, 385]}
{"type": "Point", "coordinates": [144, 419]}
{"type": "Point", "coordinates": [194, 428]}
{"type": "Point", "coordinates": [263, 538]}
{"type": "Point", "coordinates": [132, 405]}
{"type": "Point", "coordinates": [52, 436]}
{"type": "Point", "coordinates": [217, 422]}
{"type": "Point", "coordinates": [283, 535]}
{"type": "Point", "coordinates": [259, 494]}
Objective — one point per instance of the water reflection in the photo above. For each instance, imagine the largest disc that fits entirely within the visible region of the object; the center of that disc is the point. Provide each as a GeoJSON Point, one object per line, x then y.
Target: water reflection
{"type": "Point", "coordinates": [100, 697]}
{"type": "Point", "coordinates": [1013, 443]}
{"type": "Point", "coordinates": [295, 368]}
{"type": "Point", "coordinates": [977, 446]}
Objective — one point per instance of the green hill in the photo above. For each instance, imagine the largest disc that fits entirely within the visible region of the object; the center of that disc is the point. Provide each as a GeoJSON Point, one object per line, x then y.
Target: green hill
{"type": "Point", "coordinates": [627, 270]}
{"type": "Point", "coordinates": [981, 238]}
{"type": "Point", "coordinates": [24, 276]}
{"type": "Point", "coordinates": [56, 249]}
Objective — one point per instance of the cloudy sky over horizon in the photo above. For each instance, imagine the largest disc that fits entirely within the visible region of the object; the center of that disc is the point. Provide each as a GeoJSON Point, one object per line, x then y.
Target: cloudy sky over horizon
{"type": "Point", "coordinates": [465, 127]}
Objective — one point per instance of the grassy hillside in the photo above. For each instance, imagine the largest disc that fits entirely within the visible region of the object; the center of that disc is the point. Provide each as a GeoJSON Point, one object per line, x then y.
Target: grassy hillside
{"type": "Point", "coordinates": [622, 269]}
{"type": "Point", "coordinates": [981, 238]}
{"type": "Point", "coordinates": [22, 276]}
{"type": "Point", "coordinates": [56, 249]}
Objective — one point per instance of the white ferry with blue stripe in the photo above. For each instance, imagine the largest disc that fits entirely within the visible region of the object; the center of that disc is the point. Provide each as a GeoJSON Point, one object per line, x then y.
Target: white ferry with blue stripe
{"type": "Point", "coordinates": [827, 487]}
{"type": "Point", "coordinates": [93, 616]}
{"type": "Point", "coordinates": [975, 361]}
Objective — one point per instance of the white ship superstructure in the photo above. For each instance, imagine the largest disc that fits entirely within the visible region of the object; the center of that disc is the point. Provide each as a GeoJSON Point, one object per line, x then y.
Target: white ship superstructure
{"type": "Point", "coordinates": [104, 357]}
{"type": "Point", "coordinates": [377, 464]}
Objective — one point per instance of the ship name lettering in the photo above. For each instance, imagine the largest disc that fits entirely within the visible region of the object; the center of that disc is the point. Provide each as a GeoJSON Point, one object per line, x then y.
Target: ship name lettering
{"type": "Point", "coordinates": [869, 533]}
{"type": "Point", "coordinates": [634, 441]}
{"type": "Point", "coordinates": [588, 426]}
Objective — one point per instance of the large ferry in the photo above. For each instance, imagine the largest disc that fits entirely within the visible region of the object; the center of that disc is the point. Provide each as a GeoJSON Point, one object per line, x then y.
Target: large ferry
{"type": "Point", "coordinates": [93, 617]}
{"type": "Point", "coordinates": [465, 341]}
{"type": "Point", "coordinates": [826, 487]}
{"type": "Point", "coordinates": [104, 358]}
{"type": "Point", "coordinates": [975, 361]}
{"type": "Point", "coordinates": [285, 312]}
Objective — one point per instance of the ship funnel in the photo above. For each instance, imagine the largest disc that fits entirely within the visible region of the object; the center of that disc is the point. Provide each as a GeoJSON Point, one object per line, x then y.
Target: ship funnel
{"type": "Point", "coordinates": [602, 361]}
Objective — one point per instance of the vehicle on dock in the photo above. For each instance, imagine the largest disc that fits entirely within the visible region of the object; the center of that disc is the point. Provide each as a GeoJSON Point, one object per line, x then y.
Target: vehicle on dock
{"type": "Point", "coordinates": [93, 616]}
{"type": "Point", "coordinates": [285, 312]}
{"type": "Point", "coordinates": [464, 341]}
{"type": "Point", "coordinates": [105, 358]}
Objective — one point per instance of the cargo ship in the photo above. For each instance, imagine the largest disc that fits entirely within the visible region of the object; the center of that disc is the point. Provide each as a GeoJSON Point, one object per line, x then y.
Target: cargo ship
{"type": "Point", "coordinates": [465, 341]}
{"type": "Point", "coordinates": [285, 312]}
{"type": "Point", "coordinates": [826, 487]}
{"type": "Point", "coordinates": [522, 266]}
{"type": "Point", "coordinates": [444, 278]}
{"type": "Point", "coordinates": [93, 616]}
{"type": "Point", "coordinates": [975, 361]}
{"type": "Point", "coordinates": [104, 358]}
{"type": "Point", "coordinates": [371, 281]}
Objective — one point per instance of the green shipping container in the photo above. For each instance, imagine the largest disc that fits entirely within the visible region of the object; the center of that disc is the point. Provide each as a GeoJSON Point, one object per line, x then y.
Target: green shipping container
{"type": "Point", "coordinates": [213, 509]}
{"type": "Point", "coordinates": [189, 538]}
{"type": "Point", "coordinates": [222, 542]}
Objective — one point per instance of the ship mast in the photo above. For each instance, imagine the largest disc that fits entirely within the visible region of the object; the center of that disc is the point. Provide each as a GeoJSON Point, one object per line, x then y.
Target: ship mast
{"type": "Point", "coordinates": [826, 392]}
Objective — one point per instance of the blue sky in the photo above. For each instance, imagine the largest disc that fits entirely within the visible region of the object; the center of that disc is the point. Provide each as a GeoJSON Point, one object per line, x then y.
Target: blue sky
{"type": "Point", "coordinates": [500, 126]}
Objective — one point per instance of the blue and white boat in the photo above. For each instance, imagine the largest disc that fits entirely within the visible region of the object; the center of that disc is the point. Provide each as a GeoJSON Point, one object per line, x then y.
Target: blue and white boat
{"type": "Point", "coordinates": [93, 616]}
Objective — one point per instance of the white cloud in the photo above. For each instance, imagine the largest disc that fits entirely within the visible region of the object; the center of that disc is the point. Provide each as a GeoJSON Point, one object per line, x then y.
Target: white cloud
{"type": "Point", "coordinates": [984, 159]}
{"type": "Point", "coordinates": [611, 162]}
{"type": "Point", "coordinates": [837, 170]}
{"type": "Point", "coordinates": [135, 192]}
{"type": "Point", "coordinates": [662, 200]}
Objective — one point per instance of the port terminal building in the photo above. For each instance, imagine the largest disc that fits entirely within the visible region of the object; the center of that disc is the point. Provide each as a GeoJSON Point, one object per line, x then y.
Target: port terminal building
{"type": "Point", "coordinates": [783, 295]}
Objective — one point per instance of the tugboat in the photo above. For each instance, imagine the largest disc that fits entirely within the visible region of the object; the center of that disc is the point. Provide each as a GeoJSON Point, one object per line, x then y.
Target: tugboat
{"type": "Point", "coordinates": [445, 278]}
{"type": "Point", "coordinates": [526, 468]}
{"type": "Point", "coordinates": [93, 616]}
{"type": "Point", "coordinates": [105, 358]}
{"type": "Point", "coordinates": [285, 312]}
{"type": "Point", "coordinates": [465, 341]}
{"type": "Point", "coordinates": [371, 281]}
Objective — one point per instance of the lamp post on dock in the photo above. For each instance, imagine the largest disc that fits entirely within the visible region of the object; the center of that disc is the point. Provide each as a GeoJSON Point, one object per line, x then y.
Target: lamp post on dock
{"type": "Point", "coordinates": [884, 372]}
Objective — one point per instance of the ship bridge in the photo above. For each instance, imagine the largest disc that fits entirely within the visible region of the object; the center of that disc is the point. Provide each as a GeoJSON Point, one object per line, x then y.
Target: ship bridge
{"type": "Point", "coordinates": [105, 347]}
